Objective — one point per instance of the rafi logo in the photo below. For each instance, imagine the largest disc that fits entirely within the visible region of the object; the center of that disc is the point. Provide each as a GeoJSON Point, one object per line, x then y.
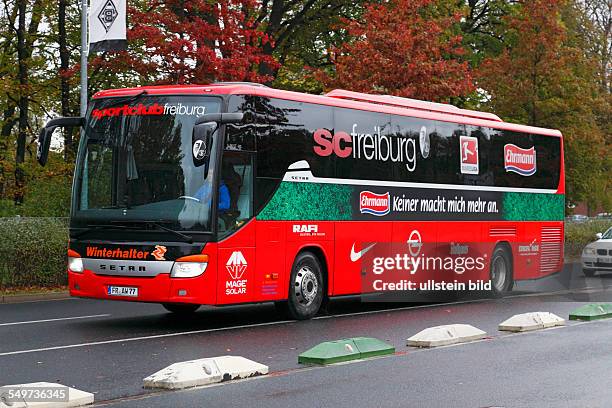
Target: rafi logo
{"type": "Point", "coordinates": [468, 149]}
{"type": "Point", "coordinates": [159, 252]}
{"type": "Point", "coordinates": [520, 161]}
{"type": "Point", "coordinates": [236, 265]}
{"type": "Point", "coordinates": [374, 204]}
{"type": "Point", "coordinates": [303, 228]}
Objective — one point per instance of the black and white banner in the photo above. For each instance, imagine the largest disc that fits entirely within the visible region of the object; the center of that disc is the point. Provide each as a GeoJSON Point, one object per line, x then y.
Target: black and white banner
{"type": "Point", "coordinates": [107, 25]}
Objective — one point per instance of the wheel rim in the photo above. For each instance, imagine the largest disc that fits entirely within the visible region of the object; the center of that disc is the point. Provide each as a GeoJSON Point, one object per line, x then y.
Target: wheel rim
{"type": "Point", "coordinates": [499, 273]}
{"type": "Point", "coordinates": [306, 286]}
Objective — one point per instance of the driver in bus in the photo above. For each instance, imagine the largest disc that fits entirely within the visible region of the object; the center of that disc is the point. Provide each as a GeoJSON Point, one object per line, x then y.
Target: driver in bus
{"type": "Point", "coordinates": [229, 189]}
{"type": "Point", "coordinates": [204, 195]}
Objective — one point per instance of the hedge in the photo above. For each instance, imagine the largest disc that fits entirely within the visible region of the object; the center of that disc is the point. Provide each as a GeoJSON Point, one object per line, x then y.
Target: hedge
{"type": "Point", "coordinates": [33, 252]}
{"type": "Point", "coordinates": [577, 235]}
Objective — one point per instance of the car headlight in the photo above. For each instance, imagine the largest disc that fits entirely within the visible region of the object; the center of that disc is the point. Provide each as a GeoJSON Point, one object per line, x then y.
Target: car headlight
{"type": "Point", "coordinates": [589, 251]}
{"type": "Point", "coordinates": [75, 264]}
{"type": "Point", "coordinates": [189, 266]}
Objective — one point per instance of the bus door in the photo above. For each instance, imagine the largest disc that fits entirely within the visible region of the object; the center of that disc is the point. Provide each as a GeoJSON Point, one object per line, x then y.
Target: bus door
{"type": "Point", "coordinates": [236, 278]}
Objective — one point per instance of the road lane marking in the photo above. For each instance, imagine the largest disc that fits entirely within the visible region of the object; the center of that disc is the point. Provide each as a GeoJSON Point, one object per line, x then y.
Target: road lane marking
{"type": "Point", "coordinates": [152, 337]}
{"type": "Point", "coordinates": [54, 320]}
{"type": "Point", "coordinates": [246, 326]}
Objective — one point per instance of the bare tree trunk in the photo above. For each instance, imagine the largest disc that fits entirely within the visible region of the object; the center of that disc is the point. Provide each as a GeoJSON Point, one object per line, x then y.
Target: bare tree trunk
{"type": "Point", "coordinates": [8, 123]}
{"type": "Point", "coordinates": [23, 102]}
{"type": "Point", "coordinates": [64, 84]}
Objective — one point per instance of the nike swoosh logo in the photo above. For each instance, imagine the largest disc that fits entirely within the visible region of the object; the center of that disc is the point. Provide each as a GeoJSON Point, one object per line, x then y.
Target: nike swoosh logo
{"type": "Point", "coordinates": [355, 256]}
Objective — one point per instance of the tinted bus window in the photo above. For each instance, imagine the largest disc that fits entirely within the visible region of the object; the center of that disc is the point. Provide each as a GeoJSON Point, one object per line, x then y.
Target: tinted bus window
{"type": "Point", "coordinates": [363, 147]}
{"type": "Point", "coordinates": [241, 136]}
{"type": "Point", "coordinates": [422, 132]}
{"type": "Point", "coordinates": [285, 135]}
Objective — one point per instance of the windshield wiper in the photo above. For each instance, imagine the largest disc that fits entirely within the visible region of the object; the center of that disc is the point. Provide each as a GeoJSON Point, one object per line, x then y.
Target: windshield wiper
{"type": "Point", "coordinates": [156, 224]}
{"type": "Point", "coordinates": [97, 227]}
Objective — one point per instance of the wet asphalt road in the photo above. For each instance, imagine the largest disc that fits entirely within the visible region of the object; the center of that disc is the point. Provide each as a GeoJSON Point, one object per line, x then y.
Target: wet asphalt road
{"type": "Point", "coordinates": [108, 348]}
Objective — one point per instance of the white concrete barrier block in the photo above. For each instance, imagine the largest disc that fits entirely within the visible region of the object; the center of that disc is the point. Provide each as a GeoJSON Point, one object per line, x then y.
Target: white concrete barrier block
{"type": "Point", "coordinates": [204, 371]}
{"type": "Point", "coordinates": [76, 398]}
{"type": "Point", "coordinates": [531, 321]}
{"type": "Point", "coordinates": [234, 367]}
{"type": "Point", "coordinates": [445, 335]}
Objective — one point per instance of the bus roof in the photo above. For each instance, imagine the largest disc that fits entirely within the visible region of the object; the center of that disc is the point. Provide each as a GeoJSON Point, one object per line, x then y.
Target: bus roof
{"type": "Point", "coordinates": [345, 99]}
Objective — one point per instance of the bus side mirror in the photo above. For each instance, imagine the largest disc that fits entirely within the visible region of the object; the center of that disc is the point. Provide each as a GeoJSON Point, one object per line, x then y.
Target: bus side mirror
{"type": "Point", "coordinates": [201, 142]}
{"type": "Point", "coordinates": [203, 130]}
{"type": "Point", "coordinates": [44, 137]}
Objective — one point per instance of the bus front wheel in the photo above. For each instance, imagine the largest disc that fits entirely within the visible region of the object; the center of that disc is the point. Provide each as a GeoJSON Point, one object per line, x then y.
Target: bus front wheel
{"type": "Point", "coordinates": [305, 287]}
{"type": "Point", "coordinates": [181, 308]}
{"type": "Point", "coordinates": [501, 271]}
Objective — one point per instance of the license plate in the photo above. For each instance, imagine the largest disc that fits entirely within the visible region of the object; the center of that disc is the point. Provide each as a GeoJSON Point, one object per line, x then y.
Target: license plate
{"type": "Point", "coordinates": [606, 260]}
{"type": "Point", "coordinates": [122, 291]}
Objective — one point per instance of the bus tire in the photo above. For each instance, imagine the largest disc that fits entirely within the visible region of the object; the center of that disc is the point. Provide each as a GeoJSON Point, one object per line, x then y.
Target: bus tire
{"type": "Point", "coordinates": [181, 308]}
{"type": "Point", "coordinates": [305, 287]}
{"type": "Point", "coordinates": [500, 272]}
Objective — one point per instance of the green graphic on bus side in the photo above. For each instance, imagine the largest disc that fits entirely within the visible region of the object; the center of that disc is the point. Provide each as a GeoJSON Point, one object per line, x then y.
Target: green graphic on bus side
{"type": "Point", "coordinates": [309, 201]}
{"type": "Point", "coordinates": [533, 207]}
{"type": "Point", "coordinates": [332, 202]}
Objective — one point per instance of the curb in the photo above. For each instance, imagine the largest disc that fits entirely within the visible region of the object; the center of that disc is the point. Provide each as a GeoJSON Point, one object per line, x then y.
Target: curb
{"type": "Point", "coordinates": [34, 297]}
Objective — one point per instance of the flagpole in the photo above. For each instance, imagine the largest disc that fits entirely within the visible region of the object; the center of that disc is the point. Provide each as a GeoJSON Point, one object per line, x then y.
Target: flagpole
{"type": "Point", "coordinates": [84, 52]}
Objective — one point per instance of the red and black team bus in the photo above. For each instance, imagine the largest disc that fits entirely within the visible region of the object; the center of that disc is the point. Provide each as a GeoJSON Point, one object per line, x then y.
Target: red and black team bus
{"type": "Point", "coordinates": [234, 193]}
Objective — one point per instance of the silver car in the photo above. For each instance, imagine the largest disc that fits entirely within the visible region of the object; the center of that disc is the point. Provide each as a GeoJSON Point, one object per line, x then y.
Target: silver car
{"type": "Point", "coordinates": [597, 256]}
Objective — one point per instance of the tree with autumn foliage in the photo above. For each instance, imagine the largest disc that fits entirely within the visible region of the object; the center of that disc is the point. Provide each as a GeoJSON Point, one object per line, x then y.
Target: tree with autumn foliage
{"type": "Point", "coordinates": [197, 41]}
{"type": "Point", "coordinates": [405, 48]}
{"type": "Point", "coordinates": [543, 77]}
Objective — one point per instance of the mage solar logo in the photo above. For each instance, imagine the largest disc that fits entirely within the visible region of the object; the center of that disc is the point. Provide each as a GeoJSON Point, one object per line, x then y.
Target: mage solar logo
{"type": "Point", "coordinates": [520, 161]}
{"type": "Point", "coordinates": [374, 204]}
{"type": "Point", "coordinates": [108, 15]}
{"type": "Point", "coordinates": [236, 265]}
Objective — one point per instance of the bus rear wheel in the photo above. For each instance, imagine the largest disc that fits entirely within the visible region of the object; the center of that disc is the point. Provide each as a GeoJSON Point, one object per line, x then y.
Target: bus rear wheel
{"type": "Point", "coordinates": [181, 308]}
{"type": "Point", "coordinates": [501, 271]}
{"type": "Point", "coordinates": [305, 287]}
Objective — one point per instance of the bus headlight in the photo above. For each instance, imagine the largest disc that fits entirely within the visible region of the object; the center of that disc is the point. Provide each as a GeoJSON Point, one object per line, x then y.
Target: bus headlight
{"type": "Point", "coordinates": [188, 269]}
{"type": "Point", "coordinates": [189, 266]}
{"type": "Point", "coordinates": [75, 265]}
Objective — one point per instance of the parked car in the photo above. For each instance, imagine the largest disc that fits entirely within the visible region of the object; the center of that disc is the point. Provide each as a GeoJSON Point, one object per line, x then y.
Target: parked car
{"type": "Point", "coordinates": [597, 256]}
{"type": "Point", "coordinates": [577, 218]}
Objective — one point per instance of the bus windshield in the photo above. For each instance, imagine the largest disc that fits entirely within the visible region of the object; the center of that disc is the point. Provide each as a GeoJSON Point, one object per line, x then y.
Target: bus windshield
{"type": "Point", "coordinates": [136, 163]}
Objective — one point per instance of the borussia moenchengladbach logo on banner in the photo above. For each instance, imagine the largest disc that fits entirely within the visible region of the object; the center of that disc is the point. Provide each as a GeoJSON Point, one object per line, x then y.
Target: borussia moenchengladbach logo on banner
{"type": "Point", "coordinates": [108, 14]}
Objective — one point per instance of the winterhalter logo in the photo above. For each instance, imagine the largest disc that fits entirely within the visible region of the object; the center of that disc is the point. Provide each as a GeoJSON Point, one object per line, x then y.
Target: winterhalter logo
{"type": "Point", "coordinates": [149, 110]}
